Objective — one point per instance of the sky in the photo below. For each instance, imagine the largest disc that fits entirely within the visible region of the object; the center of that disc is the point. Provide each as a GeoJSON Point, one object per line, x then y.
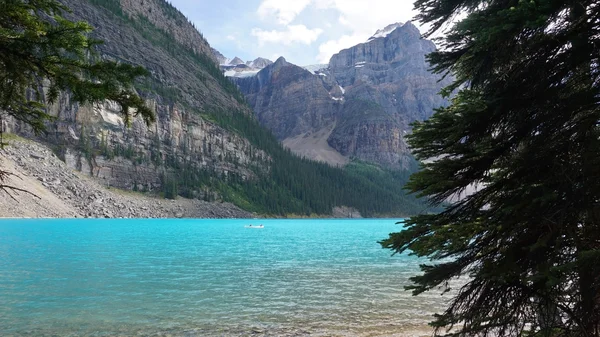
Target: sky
{"type": "Point", "coordinates": [303, 31]}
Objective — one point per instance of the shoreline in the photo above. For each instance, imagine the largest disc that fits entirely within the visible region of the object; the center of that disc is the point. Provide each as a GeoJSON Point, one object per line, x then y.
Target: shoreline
{"type": "Point", "coordinates": [61, 192]}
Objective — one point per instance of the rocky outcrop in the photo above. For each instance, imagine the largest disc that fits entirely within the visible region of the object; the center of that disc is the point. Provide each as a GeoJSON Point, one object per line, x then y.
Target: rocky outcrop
{"type": "Point", "coordinates": [259, 63]}
{"type": "Point", "coordinates": [183, 87]}
{"type": "Point", "coordinates": [221, 59]}
{"type": "Point", "coordinates": [368, 132]}
{"type": "Point", "coordinates": [392, 71]}
{"type": "Point", "coordinates": [289, 100]}
{"type": "Point", "coordinates": [236, 60]}
{"type": "Point", "coordinates": [62, 192]}
{"type": "Point", "coordinates": [369, 93]}
{"type": "Point", "coordinates": [166, 17]}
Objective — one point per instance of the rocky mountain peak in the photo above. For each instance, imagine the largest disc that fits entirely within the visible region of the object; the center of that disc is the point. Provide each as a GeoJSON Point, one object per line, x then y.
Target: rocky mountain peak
{"type": "Point", "coordinates": [259, 63]}
{"type": "Point", "coordinates": [395, 43]}
{"type": "Point", "coordinates": [236, 60]}
{"type": "Point", "coordinates": [237, 67]}
{"type": "Point", "coordinates": [220, 57]}
{"type": "Point", "coordinates": [281, 61]}
{"type": "Point", "coordinates": [360, 105]}
{"type": "Point", "coordinates": [387, 30]}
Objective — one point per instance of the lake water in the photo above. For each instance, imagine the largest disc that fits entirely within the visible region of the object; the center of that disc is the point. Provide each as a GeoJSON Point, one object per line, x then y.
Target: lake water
{"type": "Point", "coordinates": [206, 278]}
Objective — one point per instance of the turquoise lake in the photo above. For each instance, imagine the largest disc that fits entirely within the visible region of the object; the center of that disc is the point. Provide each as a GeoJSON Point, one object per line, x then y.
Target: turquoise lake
{"type": "Point", "coordinates": [206, 278]}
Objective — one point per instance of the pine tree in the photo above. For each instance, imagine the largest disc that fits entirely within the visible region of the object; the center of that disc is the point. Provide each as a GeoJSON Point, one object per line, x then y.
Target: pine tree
{"type": "Point", "coordinates": [43, 54]}
{"type": "Point", "coordinates": [523, 130]}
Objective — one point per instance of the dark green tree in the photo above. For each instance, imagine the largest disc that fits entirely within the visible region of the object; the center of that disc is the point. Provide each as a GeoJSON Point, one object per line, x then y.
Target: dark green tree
{"type": "Point", "coordinates": [43, 54]}
{"type": "Point", "coordinates": [523, 131]}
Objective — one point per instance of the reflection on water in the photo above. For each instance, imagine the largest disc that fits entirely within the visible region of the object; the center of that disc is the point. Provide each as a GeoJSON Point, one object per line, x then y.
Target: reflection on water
{"type": "Point", "coordinates": [205, 278]}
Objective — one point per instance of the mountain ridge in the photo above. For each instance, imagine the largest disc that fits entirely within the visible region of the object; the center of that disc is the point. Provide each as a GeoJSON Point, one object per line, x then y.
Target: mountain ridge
{"type": "Point", "coordinates": [371, 92]}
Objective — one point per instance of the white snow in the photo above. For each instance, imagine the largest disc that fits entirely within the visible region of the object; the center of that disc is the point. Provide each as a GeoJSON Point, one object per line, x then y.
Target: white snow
{"type": "Point", "coordinates": [247, 73]}
{"type": "Point", "coordinates": [321, 74]}
{"type": "Point", "coordinates": [359, 66]}
{"type": "Point", "coordinates": [360, 63]}
{"type": "Point", "coordinates": [342, 89]}
{"type": "Point", "coordinates": [337, 98]}
{"type": "Point", "coordinates": [315, 67]}
{"type": "Point", "coordinates": [385, 31]}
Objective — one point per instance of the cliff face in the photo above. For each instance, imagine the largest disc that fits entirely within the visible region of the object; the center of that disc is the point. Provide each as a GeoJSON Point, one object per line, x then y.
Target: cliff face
{"type": "Point", "coordinates": [368, 95]}
{"type": "Point", "coordinates": [184, 88]}
{"type": "Point", "coordinates": [392, 71]}
{"type": "Point", "coordinates": [289, 100]}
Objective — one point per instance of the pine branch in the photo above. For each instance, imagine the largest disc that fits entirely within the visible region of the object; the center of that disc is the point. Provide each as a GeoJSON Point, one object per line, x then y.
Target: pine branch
{"type": "Point", "coordinates": [4, 175]}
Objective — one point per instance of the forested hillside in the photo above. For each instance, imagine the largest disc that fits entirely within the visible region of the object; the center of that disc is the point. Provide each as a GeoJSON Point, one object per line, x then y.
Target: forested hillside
{"type": "Point", "coordinates": [205, 143]}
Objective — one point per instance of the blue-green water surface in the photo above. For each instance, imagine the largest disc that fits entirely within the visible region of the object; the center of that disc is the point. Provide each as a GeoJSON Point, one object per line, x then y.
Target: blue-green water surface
{"type": "Point", "coordinates": [206, 278]}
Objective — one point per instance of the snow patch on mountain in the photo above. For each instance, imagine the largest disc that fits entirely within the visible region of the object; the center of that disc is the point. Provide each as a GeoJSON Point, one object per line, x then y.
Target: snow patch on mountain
{"type": "Point", "coordinates": [386, 31]}
{"type": "Point", "coordinates": [238, 68]}
{"type": "Point", "coordinates": [314, 68]}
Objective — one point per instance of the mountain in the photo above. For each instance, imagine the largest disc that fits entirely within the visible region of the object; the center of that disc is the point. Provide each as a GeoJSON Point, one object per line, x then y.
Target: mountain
{"type": "Point", "coordinates": [237, 67]}
{"type": "Point", "coordinates": [360, 105]}
{"type": "Point", "coordinates": [205, 143]}
{"type": "Point", "coordinates": [298, 107]}
{"type": "Point", "coordinates": [386, 31]}
{"type": "Point", "coordinates": [221, 59]}
{"type": "Point", "coordinates": [259, 63]}
{"type": "Point", "coordinates": [236, 61]}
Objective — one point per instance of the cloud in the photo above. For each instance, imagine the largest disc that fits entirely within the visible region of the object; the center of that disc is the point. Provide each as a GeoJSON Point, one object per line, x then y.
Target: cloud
{"type": "Point", "coordinates": [361, 20]}
{"type": "Point", "coordinates": [370, 15]}
{"type": "Point", "coordinates": [230, 37]}
{"type": "Point", "coordinates": [293, 33]}
{"type": "Point", "coordinates": [284, 10]}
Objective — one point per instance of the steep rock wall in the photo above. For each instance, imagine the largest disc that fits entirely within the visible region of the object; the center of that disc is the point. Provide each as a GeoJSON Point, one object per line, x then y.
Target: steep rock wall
{"type": "Point", "coordinates": [184, 88]}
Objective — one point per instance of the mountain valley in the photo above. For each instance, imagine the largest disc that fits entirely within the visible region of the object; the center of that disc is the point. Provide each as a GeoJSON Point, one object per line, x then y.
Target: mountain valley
{"type": "Point", "coordinates": [207, 143]}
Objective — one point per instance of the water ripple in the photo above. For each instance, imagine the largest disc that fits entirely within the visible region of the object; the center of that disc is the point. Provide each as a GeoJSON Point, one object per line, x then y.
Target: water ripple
{"type": "Point", "coordinates": [206, 278]}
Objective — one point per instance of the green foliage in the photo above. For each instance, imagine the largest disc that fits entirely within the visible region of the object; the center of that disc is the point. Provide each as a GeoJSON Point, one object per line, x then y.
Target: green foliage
{"type": "Point", "coordinates": [42, 54]}
{"type": "Point", "coordinates": [164, 40]}
{"type": "Point", "coordinates": [524, 129]}
{"type": "Point", "coordinates": [296, 185]}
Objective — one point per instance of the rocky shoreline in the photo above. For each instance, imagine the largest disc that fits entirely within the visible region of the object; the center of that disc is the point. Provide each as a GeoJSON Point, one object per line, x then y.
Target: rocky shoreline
{"type": "Point", "coordinates": [60, 192]}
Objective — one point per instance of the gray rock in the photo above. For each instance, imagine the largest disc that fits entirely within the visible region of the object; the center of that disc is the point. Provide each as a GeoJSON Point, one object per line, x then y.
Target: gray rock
{"type": "Point", "coordinates": [371, 93]}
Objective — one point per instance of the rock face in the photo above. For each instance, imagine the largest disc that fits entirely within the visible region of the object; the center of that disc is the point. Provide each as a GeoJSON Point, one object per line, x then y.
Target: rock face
{"type": "Point", "coordinates": [392, 71]}
{"type": "Point", "coordinates": [163, 16]}
{"type": "Point", "coordinates": [289, 100]}
{"type": "Point", "coordinates": [221, 59]}
{"type": "Point", "coordinates": [183, 86]}
{"type": "Point", "coordinates": [368, 94]}
{"type": "Point", "coordinates": [259, 63]}
{"type": "Point", "coordinates": [62, 193]}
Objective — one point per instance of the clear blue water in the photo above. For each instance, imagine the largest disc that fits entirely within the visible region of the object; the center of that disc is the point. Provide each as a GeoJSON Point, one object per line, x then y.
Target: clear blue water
{"type": "Point", "coordinates": [206, 278]}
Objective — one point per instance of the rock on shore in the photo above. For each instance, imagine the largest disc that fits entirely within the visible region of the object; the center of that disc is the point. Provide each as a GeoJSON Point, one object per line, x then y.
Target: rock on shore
{"type": "Point", "coordinates": [61, 192]}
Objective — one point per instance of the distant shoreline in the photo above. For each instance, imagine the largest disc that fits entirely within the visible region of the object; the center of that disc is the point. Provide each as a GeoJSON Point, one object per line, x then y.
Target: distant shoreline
{"type": "Point", "coordinates": [65, 193]}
